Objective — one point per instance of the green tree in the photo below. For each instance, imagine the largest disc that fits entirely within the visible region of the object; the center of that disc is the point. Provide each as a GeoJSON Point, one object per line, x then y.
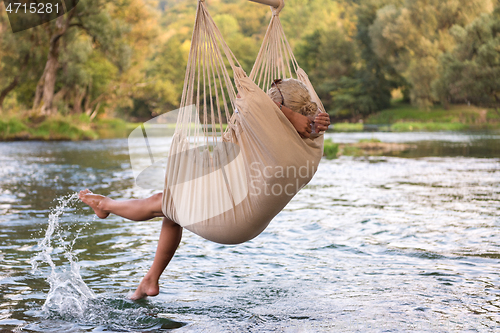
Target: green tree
{"type": "Point", "coordinates": [93, 25]}
{"type": "Point", "coordinates": [377, 76]}
{"type": "Point", "coordinates": [162, 82]}
{"type": "Point", "coordinates": [329, 58]}
{"type": "Point", "coordinates": [471, 72]}
{"type": "Point", "coordinates": [412, 36]}
{"type": "Point", "coordinates": [350, 79]}
{"type": "Point", "coordinates": [301, 18]}
{"type": "Point", "coordinates": [21, 58]}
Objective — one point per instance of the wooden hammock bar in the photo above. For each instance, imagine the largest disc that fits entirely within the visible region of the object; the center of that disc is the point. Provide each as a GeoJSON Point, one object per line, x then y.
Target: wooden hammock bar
{"type": "Point", "coordinates": [272, 3]}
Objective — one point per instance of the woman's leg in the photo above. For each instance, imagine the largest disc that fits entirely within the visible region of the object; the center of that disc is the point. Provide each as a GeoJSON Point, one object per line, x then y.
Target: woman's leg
{"type": "Point", "coordinates": [170, 237]}
{"type": "Point", "coordinates": [134, 209]}
{"type": "Point", "coordinates": [141, 210]}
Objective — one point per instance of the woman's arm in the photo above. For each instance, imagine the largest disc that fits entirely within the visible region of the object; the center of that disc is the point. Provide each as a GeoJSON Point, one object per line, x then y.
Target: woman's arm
{"type": "Point", "coordinates": [301, 123]}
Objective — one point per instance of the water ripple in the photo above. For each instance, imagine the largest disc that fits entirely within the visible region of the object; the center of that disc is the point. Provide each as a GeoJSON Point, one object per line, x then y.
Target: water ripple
{"type": "Point", "coordinates": [371, 244]}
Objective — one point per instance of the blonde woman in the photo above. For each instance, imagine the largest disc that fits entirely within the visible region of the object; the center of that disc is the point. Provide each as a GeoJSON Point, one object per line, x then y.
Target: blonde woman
{"type": "Point", "coordinates": [293, 99]}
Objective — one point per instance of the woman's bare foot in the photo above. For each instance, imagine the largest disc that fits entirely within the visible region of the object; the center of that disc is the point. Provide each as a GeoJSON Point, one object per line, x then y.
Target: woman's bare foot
{"type": "Point", "coordinates": [147, 287]}
{"type": "Point", "coordinates": [95, 202]}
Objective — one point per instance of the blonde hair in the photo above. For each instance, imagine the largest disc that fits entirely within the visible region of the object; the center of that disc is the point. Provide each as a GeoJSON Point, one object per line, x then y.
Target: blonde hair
{"type": "Point", "coordinates": [295, 96]}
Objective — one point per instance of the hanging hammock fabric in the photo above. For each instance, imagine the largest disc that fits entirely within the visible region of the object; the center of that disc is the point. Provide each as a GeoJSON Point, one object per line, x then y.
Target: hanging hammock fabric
{"type": "Point", "coordinates": [226, 183]}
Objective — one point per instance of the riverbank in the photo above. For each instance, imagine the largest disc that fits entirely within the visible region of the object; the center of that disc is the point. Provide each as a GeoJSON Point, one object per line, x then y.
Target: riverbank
{"type": "Point", "coordinates": [399, 118]}
{"type": "Point", "coordinates": [364, 147]}
{"type": "Point", "coordinates": [59, 128]}
{"type": "Point", "coordinates": [406, 118]}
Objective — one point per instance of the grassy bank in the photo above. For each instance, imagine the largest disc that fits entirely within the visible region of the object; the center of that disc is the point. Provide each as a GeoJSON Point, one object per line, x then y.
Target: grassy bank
{"type": "Point", "coordinates": [364, 147]}
{"type": "Point", "coordinates": [59, 128]}
{"type": "Point", "coordinates": [399, 118]}
{"type": "Point", "coordinates": [407, 118]}
{"type": "Point", "coordinates": [74, 128]}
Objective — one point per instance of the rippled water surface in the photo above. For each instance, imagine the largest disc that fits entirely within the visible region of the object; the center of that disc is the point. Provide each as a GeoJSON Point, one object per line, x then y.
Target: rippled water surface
{"type": "Point", "coordinates": [394, 244]}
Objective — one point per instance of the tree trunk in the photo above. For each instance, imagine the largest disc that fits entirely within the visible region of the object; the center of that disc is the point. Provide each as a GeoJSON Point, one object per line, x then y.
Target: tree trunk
{"type": "Point", "coordinates": [494, 95]}
{"type": "Point", "coordinates": [96, 110]}
{"type": "Point", "coordinates": [86, 105]}
{"type": "Point", "coordinates": [14, 82]}
{"type": "Point", "coordinates": [77, 102]}
{"type": "Point", "coordinates": [50, 81]}
{"type": "Point", "coordinates": [44, 94]}
{"type": "Point", "coordinates": [7, 90]}
{"type": "Point", "coordinates": [60, 94]}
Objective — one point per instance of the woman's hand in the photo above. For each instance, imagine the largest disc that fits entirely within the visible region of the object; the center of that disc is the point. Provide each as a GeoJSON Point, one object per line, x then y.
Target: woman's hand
{"type": "Point", "coordinates": [322, 122]}
{"type": "Point", "coordinates": [302, 124]}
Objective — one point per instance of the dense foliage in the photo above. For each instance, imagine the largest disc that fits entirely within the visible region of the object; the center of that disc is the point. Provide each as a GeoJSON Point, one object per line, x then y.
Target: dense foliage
{"type": "Point", "coordinates": [127, 57]}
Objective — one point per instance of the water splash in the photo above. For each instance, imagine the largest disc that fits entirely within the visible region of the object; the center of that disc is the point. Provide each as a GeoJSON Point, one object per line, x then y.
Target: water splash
{"type": "Point", "coordinates": [69, 295]}
{"type": "Point", "coordinates": [71, 300]}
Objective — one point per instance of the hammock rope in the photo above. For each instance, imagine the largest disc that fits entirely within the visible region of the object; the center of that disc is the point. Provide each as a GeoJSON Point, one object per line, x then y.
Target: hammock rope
{"type": "Point", "coordinates": [207, 84]}
{"type": "Point", "coordinates": [276, 60]}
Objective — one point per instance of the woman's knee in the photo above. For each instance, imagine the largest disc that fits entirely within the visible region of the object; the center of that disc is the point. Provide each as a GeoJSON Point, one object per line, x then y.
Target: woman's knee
{"type": "Point", "coordinates": [156, 202]}
{"type": "Point", "coordinates": [169, 223]}
{"type": "Point", "coordinates": [157, 197]}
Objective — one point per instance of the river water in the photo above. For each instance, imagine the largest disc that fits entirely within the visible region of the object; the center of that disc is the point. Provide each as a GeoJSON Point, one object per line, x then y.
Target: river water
{"type": "Point", "coordinates": [402, 243]}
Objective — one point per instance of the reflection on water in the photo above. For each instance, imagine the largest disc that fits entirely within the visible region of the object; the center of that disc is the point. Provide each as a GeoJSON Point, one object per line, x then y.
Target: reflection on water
{"type": "Point", "coordinates": [407, 243]}
{"type": "Point", "coordinates": [465, 144]}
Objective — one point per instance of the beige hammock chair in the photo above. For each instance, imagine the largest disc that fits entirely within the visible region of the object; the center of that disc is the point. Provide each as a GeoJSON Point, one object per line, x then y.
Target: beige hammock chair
{"type": "Point", "coordinates": [235, 163]}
